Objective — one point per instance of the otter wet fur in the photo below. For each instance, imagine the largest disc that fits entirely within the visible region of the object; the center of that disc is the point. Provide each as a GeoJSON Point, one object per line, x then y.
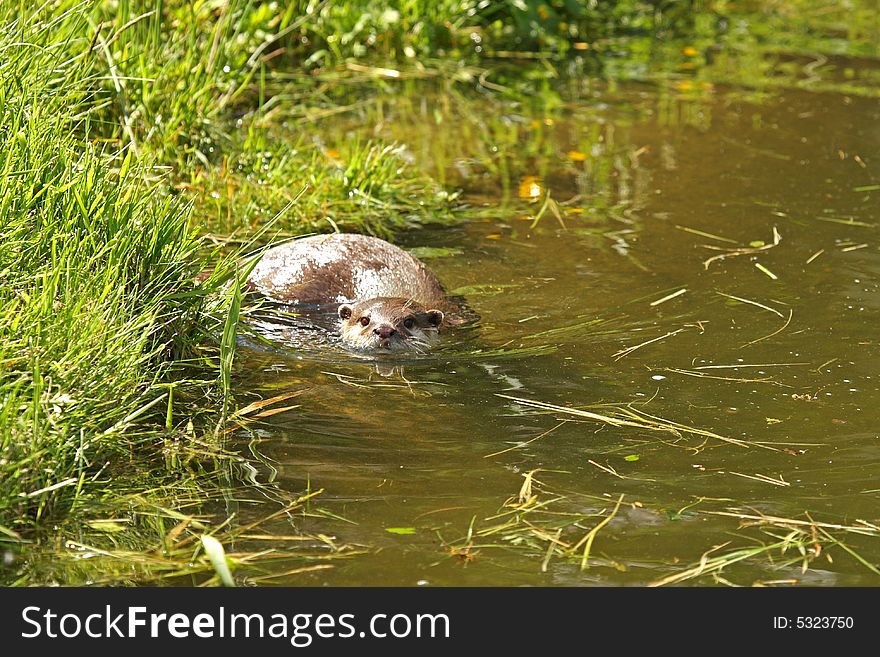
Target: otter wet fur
{"type": "Point", "coordinates": [385, 299]}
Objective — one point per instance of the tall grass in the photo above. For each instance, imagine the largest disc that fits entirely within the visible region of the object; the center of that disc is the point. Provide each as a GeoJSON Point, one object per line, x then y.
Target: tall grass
{"type": "Point", "coordinates": [365, 187]}
{"type": "Point", "coordinates": [96, 266]}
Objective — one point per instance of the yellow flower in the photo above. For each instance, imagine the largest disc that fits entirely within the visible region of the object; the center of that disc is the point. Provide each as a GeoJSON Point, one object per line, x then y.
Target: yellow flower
{"type": "Point", "coordinates": [543, 13]}
{"type": "Point", "coordinates": [530, 187]}
{"type": "Point", "coordinates": [576, 156]}
{"type": "Point", "coordinates": [690, 51]}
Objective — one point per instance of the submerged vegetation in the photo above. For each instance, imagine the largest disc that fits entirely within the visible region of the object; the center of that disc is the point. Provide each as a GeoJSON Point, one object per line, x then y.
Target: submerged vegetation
{"type": "Point", "coordinates": [543, 526]}
{"type": "Point", "coordinates": [105, 343]}
{"type": "Point", "coordinates": [142, 143]}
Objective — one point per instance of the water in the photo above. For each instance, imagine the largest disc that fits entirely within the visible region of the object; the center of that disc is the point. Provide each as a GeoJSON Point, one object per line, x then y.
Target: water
{"type": "Point", "coordinates": [412, 456]}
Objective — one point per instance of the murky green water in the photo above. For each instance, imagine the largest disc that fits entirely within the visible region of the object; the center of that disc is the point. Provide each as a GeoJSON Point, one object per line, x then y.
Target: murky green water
{"type": "Point", "coordinates": [423, 461]}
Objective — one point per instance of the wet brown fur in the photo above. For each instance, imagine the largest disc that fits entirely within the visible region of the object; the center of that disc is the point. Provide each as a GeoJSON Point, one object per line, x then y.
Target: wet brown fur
{"type": "Point", "coordinates": [366, 274]}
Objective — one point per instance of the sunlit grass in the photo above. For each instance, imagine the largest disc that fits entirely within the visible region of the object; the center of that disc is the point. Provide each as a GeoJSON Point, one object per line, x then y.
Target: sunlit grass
{"type": "Point", "coordinates": [366, 187]}
{"type": "Point", "coordinates": [99, 310]}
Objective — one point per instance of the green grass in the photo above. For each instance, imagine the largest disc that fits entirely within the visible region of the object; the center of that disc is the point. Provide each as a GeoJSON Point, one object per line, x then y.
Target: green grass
{"type": "Point", "coordinates": [363, 187]}
{"type": "Point", "coordinates": [97, 304]}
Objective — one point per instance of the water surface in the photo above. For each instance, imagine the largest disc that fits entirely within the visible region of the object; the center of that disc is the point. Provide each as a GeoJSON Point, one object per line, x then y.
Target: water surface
{"type": "Point", "coordinates": [422, 462]}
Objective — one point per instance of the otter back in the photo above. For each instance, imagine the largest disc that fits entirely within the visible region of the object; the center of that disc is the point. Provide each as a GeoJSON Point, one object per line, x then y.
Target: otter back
{"type": "Point", "coordinates": [344, 268]}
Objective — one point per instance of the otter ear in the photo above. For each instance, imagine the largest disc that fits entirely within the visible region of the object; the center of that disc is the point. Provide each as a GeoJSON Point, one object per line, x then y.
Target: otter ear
{"type": "Point", "coordinates": [435, 317]}
{"type": "Point", "coordinates": [344, 311]}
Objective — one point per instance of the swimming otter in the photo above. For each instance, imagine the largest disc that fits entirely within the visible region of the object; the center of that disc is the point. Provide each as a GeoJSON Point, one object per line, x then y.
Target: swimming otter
{"type": "Point", "coordinates": [385, 299]}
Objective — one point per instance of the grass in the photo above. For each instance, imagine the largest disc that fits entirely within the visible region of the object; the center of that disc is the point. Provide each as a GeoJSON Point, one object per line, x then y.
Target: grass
{"type": "Point", "coordinates": [99, 311]}
{"type": "Point", "coordinates": [365, 187]}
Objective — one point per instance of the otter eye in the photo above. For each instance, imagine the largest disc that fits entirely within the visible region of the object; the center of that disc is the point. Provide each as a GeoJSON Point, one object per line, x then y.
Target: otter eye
{"type": "Point", "coordinates": [365, 321]}
{"type": "Point", "coordinates": [409, 322]}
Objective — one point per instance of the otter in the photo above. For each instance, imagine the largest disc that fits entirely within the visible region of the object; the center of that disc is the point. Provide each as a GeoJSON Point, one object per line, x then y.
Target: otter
{"type": "Point", "coordinates": [385, 299]}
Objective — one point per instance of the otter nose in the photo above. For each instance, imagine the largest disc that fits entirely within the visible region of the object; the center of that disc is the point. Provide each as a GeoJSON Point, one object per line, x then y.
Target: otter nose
{"type": "Point", "coordinates": [384, 331]}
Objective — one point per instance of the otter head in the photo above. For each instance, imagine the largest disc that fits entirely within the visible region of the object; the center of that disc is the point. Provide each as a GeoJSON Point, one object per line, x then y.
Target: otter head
{"type": "Point", "coordinates": [389, 324]}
